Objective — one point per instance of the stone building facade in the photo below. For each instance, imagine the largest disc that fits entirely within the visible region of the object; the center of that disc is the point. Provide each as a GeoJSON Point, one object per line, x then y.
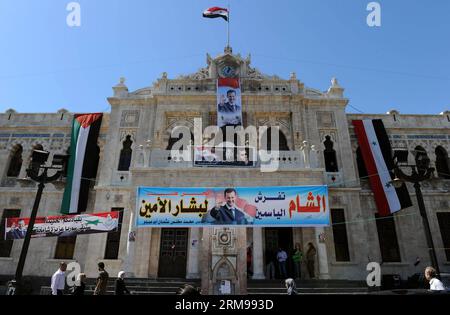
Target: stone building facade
{"type": "Point", "coordinates": [138, 130]}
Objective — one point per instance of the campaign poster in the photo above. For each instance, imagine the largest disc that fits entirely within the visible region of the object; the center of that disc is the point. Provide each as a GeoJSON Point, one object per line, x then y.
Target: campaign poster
{"type": "Point", "coordinates": [67, 225]}
{"type": "Point", "coordinates": [304, 206]}
{"type": "Point", "coordinates": [229, 102]}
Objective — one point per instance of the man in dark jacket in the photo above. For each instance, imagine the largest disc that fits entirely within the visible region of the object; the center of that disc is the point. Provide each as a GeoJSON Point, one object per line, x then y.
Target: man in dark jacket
{"type": "Point", "coordinates": [102, 280]}
{"type": "Point", "coordinates": [228, 213]}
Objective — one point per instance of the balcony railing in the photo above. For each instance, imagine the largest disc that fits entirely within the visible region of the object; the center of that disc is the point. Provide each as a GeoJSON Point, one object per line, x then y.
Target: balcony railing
{"type": "Point", "coordinates": [302, 159]}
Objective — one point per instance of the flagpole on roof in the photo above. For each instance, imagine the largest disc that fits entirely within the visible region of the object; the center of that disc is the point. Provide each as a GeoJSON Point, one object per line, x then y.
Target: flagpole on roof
{"type": "Point", "coordinates": [228, 45]}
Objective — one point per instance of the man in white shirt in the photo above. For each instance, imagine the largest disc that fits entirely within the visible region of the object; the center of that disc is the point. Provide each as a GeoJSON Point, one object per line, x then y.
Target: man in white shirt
{"type": "Point", "coordinates": [59, 280]}
{"type": "Point", "coordinates": [282, 257]}
{"type": "Point", "coordinates": [435, 283]}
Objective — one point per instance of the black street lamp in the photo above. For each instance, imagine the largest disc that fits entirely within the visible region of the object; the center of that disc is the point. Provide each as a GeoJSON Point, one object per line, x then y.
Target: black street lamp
{"type": "Point", "coordinates": [421, 171]}
{"type": "Point", "coordinates": [38, 160]}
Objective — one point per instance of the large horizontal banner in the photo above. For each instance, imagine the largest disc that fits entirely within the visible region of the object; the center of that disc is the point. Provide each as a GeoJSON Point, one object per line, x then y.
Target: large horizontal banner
{"type": "Point", "coordinates": [68, 225]}
{"type": "Point", "coordinates": [246, 206]}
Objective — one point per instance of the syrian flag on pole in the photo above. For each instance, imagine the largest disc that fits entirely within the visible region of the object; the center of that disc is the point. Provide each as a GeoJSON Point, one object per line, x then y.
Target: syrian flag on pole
{"type": "Point", "coordinates": [376, 152]}
{"type": "Point", "coordinates": [83, 162]}
{"type": "Point", "coordinates": [216, 12]}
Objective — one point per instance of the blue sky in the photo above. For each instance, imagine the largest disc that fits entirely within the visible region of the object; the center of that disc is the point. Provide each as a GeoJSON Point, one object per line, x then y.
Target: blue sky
{"type": "Point", "coordinates": [46, 65]}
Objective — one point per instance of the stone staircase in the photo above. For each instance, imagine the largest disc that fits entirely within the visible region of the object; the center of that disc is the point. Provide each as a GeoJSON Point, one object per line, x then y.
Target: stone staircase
{"type": "Point", "coordinates": [254, 287]}
{"type": "Point", "coordinates": [139, 286]}
{"type": "Point", "coordinates": [276, 287]}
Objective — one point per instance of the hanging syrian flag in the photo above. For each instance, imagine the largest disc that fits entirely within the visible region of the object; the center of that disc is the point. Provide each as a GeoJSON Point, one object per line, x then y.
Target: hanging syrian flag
{"type": "Point", "coordinates": [376, 152]}
{"type": "Point", "coordinates": [83, 162]}
{"type": "Point", "coordinates": [216, 12]}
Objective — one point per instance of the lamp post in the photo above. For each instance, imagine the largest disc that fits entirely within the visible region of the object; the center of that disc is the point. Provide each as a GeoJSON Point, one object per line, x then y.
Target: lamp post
{"type": "Point", "coordinates": [420, 172]}
{"type": "Point", "coordinates": [38, 160]}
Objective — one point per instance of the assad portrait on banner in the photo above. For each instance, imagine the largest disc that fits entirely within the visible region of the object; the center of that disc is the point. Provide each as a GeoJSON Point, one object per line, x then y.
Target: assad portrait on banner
{"type": "Point", "coordinates": [228, 213]}
{"type": "Point", "coordinates": [17, 232]}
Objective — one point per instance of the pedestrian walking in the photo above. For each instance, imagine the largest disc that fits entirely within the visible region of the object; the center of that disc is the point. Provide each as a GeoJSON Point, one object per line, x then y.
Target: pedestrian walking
{"type": "Point", "coordinates": [291, 287]}
{"type": "Point", "coordinates": [59, 280]}
{"type": "Point", "coordinates": [435, 283]}
{"type": "Point", "coordinates": [121, 288]}
{"type": "Point", "coordinates": [102, 280]}
{"type": "Point", "coordinates": [310, 260]}
{"type": "Point", "coordinates": [282, 257]}
{"type": "Point", "coordinates": [188, 289]}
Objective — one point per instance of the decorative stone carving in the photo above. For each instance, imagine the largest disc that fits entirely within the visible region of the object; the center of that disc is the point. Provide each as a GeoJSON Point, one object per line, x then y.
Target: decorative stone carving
{"type": "Point", "coordinates": [201, 74]}
{"type": "Point", "coordinates": [335, 89]}
{"type": "Point", "coordinates": [325, 120]}
{"type": "Point", "coordinates": [128, 132]}
{"type": "Point", "coordinates": [253, 73]}
{"type": "Point", "coordinates": [120, 90]}
{"type": "Point", "coordinates": [332, 133]}
{"type": "Point", "coordinates": [130, 118]}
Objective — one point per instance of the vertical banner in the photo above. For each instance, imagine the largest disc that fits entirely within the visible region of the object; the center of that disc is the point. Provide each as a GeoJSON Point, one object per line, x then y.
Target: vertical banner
{"type": "Point", "coordinates": [229, 106]}
{"type": "Point", "coordinates": [83, 163]}
{"type": "Point", "coordinates": [305, 206]}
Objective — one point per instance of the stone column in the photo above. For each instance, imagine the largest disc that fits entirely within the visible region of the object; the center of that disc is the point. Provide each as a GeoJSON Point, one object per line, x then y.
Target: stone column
{"type": "Point", "coordinates": [258, 257]}
{"type": "Point", "coordinates": [128, 262]}
{"type": "Point", "coordinates": [322, 255]}
{"type": "Point", "coordinates": [142, 249]}
{"type": "Point", "coordinates": [193, 254]}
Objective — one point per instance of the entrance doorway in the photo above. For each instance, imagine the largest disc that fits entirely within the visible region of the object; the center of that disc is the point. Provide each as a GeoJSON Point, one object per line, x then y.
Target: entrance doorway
{"type": "Point", "coordinates": [173, 253]}
{"type": "Point", "coordinates": [276, 238]}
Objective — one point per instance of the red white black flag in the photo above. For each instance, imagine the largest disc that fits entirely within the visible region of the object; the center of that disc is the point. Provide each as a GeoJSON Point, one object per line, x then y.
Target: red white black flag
{"type": "Point", "coordinates": [376, 152]}
{"type": "Point", "coordinates": [216, 12]}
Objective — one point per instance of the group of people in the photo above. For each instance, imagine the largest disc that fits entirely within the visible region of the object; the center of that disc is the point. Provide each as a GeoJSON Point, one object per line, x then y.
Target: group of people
{"type": "Point", "coordinates": [280, 259]}
{"type": "Point", "coordinates": [58, 282]}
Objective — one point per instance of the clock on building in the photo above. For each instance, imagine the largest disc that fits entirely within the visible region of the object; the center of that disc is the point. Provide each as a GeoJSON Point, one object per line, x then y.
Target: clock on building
{"type": "Point", "coordinates": [227, 71]}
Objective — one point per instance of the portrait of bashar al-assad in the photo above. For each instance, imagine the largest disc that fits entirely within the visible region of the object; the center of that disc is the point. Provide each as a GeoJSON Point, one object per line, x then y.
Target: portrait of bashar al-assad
{"type": "Point", "coordinates": [227, 212]}
{"type": "Point", "coordinates": [229, 103]}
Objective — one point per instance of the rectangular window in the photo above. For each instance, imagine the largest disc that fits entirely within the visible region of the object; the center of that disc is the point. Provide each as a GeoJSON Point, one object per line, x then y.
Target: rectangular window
{"type": "Point", "coordinates": [6, 245]}
{"type": "Point", "coordinates": [113, 240]}
{"type": "Point", "coordinates": [340, 235]}
{"type": "Point", "coordinates": [65, 247]}
{"type": "Point", "coordinates": [444, 226]}
{"type": "Point", "coordinates": [387, 236]}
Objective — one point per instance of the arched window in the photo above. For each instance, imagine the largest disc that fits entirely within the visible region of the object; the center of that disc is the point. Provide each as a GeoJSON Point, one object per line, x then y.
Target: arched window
{"type": "Point", "coordinates": [266, 141]}
{"type": "Point", "coordinates": [362, 170]}
{"type": "Point", "coordinates": [125, 155]}
{"type": "Point", "coordinates": [420, 151]}
{"type": "Point", "coordinates": [442, 163]}
{"type": "Point", "coordinates": [15, 163]}
{"type": "Point", "coordinates": [330, 156]}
